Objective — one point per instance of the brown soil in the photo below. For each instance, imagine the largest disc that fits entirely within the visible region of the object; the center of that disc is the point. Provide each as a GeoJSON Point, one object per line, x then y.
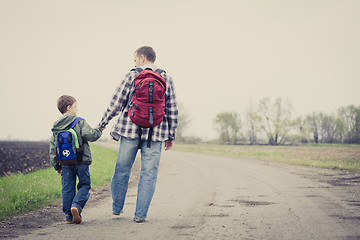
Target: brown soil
{"type": "Point", "coordinates": [23, 157]}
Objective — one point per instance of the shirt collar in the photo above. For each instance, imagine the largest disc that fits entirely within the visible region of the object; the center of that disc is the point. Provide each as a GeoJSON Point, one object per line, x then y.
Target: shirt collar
{"type": "Point", "coordinates": [151, 65]}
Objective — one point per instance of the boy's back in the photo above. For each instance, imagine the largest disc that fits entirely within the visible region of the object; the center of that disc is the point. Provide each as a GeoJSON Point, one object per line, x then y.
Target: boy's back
{"type": "Point", "coordinates": [84, 132]}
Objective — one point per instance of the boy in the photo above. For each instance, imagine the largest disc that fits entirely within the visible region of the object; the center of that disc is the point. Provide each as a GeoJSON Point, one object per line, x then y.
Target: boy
{"type": "Point", "coordinates": [73, 202]}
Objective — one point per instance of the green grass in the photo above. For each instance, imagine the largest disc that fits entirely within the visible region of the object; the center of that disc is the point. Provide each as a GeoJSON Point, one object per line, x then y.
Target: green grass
{"type": "Point", "coordinates": [21, 193]}
{"type": "Point", "coordinates": [345, 157]}
{"type": "Point", "coordinates": [343, 145]}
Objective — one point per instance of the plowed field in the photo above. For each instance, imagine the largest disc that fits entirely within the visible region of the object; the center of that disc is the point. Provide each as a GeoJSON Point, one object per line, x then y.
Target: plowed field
{"type": "Point", "coordinates": [23, 157]}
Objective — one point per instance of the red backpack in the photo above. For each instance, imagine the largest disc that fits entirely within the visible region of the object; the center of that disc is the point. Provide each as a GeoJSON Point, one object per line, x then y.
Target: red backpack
{"type": "Point", "coordinates": [147, 101]}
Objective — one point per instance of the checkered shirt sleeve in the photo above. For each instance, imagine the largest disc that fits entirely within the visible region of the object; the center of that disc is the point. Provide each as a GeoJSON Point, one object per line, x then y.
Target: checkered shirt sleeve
{"type": "Point", "coordinates": [119, 99]}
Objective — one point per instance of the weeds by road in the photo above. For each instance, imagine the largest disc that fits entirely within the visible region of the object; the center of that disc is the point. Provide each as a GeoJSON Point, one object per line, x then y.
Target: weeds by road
{"type": "Point", "coordinates": [345, 157]}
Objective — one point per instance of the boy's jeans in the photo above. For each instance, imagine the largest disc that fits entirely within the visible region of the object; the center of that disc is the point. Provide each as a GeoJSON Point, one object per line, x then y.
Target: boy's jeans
{"type": "Point", "coordinates": [150, 159]}
{"type": "Point", "coordinates": [68, 191]}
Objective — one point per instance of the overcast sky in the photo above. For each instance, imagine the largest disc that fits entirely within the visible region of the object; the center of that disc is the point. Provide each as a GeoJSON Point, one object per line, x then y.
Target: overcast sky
{"type": "Point", "coordinates": [223, 56]}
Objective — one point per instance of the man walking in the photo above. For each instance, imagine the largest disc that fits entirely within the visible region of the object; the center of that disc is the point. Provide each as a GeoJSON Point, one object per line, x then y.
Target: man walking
{"type": "Point", "coordinates": [133, 137]}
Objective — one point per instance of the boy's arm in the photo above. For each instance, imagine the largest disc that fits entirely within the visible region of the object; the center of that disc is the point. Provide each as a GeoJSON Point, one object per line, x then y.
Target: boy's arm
{"type": "Point", "coordinates": [88, 133]}
{"type": "Point", "coordinates": [119, 99]}
{"type": "Point", "coordinates": [52, 152]}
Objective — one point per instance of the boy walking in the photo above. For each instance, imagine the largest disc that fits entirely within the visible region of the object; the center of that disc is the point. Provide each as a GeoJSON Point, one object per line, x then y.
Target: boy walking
{"type": "Point", "coordinates": [73, 203]}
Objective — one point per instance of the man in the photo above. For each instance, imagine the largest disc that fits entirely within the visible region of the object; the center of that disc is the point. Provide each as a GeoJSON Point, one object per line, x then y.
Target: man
{"type": "Point", "coordinates": [132, 138]}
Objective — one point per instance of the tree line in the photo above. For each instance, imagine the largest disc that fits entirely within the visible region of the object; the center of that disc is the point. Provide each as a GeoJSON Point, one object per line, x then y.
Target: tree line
{"type": "Point", "coordinates": [271, 122]}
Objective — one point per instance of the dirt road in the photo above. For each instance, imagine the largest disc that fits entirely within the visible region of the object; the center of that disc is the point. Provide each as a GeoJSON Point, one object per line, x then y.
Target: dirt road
{"type": "Point", "coordinates": [212, 197]}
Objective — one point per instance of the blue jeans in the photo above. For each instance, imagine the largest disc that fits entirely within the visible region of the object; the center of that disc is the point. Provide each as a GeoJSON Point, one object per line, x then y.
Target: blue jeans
{"type": "Point", "coordinates": [68, 191]}
{"type": "Point", "coordinates": [150, 159]}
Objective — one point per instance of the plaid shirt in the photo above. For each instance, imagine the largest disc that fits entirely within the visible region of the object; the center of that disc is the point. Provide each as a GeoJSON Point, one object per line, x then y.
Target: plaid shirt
{"type": "Point", "coordinates": [125, 127]}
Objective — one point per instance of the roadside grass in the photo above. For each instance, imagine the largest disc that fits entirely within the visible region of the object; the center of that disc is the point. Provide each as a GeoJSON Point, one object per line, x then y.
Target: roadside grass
{"type": "Point", "coordinates": [345, 157]}
{"type": "Point", "coordinates": [21, 193]}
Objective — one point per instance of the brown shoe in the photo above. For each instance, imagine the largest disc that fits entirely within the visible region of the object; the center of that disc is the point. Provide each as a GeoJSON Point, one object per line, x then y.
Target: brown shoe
{"type": "Point", "coordinates": [69, 219]}
{"type": "Point", "coordinates": [76, 216]}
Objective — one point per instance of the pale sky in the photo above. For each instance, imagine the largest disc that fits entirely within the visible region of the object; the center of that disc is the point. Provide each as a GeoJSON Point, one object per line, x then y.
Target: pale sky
{"type": "Point", "coordinates": [223, 55]}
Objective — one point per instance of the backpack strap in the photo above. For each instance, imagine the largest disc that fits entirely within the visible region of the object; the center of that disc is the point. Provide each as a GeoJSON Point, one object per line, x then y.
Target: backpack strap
{"type": "Point", "coordinates": [151, 130]}
{"type": "Point", "coordinates": [139, 70]}
{"type": "Point", "coordinates": [160, 71]}
{"type": "Point", "coordinates": [78, 119]}
{"type": "Point", "coordinates": [75, 122]}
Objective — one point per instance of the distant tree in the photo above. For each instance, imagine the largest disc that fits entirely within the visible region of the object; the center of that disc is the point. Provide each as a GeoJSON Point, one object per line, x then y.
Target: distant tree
{"type": "Point", "coordinates": [350, 116]}
{"type": "Point", "coordinates": [328, 129]}
{"type": "Point", "coordinates": [302, 128]}
{"type": "Point", "coordinates": [253, 121]}
{"type": "Point", "coordinates": [340, 130]}
{"type": "Point", "coordinates": [228, 125]}
{"type": "Point", "coordinates": [183, 122]}
{"type": "Point", "coordinates": [275, 119]}
{"type": "Point", "coordinates": [314, 122]}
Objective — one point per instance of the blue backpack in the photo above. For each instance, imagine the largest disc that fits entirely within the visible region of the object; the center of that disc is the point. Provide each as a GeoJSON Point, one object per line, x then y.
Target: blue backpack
{"type": "Point", "coordinates": [68, 150]}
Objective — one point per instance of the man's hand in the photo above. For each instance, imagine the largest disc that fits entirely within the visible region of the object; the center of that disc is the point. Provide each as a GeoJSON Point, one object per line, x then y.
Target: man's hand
{"type": "Point", "coordinates": [101, 128]}
{"type": "Point", "coordinates": [168, 145]}
{"type": "Point", "coordinates": [59, 171]}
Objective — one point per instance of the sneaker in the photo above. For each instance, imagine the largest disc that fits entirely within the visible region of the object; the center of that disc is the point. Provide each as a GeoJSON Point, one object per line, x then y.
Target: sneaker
{"type": "Point", "coordinates": [115, 213]}
{"type": "Point", "coordinates": [139, 220]}
{"type": "Point", "coordinates": [76, 215]}
{"type": "Point", "coordinates": [69, 219]}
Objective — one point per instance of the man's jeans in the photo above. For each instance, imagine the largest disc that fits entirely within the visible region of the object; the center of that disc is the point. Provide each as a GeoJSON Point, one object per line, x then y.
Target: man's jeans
{"type": "Point", "coordinates": [150, 159]}
{"type": "Point", "coordinates": [68, 191]}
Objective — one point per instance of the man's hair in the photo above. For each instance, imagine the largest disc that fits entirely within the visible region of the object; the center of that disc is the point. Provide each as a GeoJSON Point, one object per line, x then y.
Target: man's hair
{"type": "Point", "coordinates": [64, 101]}
{"type": "Point", "coordinates": [148, 52]}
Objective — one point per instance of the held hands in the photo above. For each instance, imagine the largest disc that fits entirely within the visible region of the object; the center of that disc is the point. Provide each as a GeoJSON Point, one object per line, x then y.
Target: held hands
{"type": "Point", "coordinates": [168, 145]}
{"type": "Point", "coordinates": [101, 128]}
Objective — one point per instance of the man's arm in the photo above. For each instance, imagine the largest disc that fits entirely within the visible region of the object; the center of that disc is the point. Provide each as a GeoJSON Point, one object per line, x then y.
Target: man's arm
{"type": "Point", "coordinates": [118, 100]}
{"type": "Point", "coordinates": [172, 110]}
{"type": "Point", "coordinates": [171, 113]}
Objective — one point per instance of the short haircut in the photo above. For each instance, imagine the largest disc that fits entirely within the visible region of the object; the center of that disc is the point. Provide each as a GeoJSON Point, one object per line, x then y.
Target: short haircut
{"type": "Point", "coordinates": [148, 52]}
{"type": "Point", "coordinates": [64, 101]}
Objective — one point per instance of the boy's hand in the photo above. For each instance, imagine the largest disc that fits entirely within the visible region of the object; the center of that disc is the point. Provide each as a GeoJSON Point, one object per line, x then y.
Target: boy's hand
{"type": "Point", "coordinates": [59, 171]}
{"type": "Point", "coordinates": [168, 145]}
{"type": "Point", "coordinates": [101, 128]}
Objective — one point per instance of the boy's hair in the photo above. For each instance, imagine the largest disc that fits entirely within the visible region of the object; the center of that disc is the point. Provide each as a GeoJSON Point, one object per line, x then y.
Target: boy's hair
{"type": "Point", "coordinates": [64, 101]}
{"type": "Point", "coordinates": [148, 52]}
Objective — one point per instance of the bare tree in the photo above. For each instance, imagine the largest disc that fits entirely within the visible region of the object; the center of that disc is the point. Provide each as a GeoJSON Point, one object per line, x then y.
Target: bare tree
{"type": "Point", "coordinates": [253, 120]}
{"type": "Point", "coordinates": [183, 122]}
{"type": "Point", "coordinates": [350, 115]}
{"type": "Point", "coordinates": [314, 122]}
{"type": "Point", "coordinates": [228, 125]}
{"type": "Point", "coordinates": [328, 129]}
{"type": "Point", "coordinates": [301, 126]}
{"type": "Point", "coordinates": [275, 119]}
